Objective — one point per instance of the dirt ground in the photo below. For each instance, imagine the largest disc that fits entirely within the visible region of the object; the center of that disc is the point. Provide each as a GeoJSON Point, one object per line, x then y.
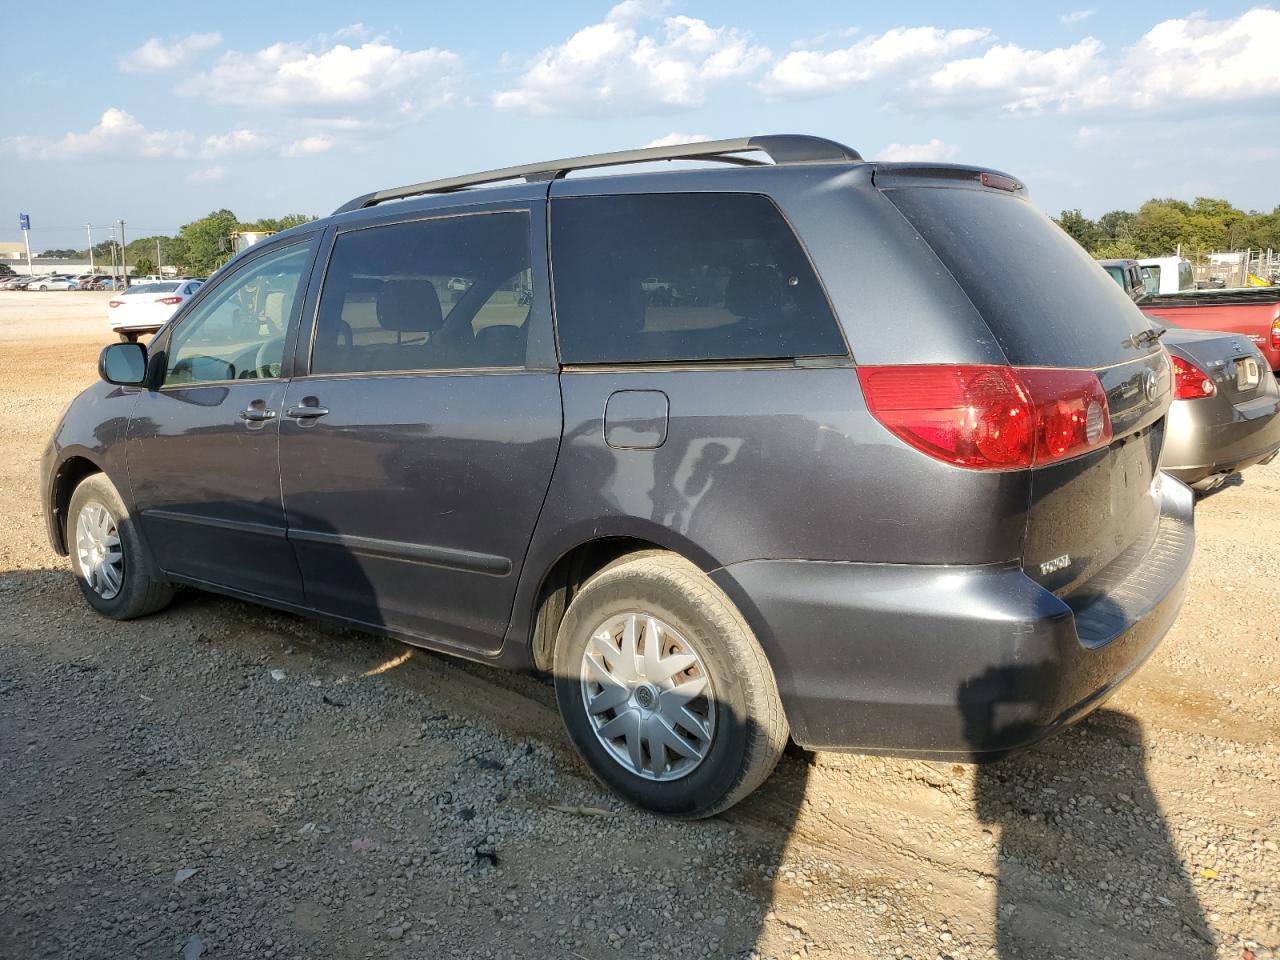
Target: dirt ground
{"type": "Point", "coordinates": [225, 781]}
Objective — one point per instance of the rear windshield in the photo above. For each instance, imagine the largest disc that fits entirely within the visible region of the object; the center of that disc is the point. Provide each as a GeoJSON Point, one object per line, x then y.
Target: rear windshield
{"type": "Point", "coordinates": [1043, 297]}
{"type": "Point", "coordinates": [153, 287]}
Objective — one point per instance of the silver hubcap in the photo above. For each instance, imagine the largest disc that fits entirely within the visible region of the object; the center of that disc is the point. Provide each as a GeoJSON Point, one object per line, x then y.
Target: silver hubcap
{"type": "Point", "coordinates": [648, 696]}
{"type": "Point", "coordinates": [98, 550]}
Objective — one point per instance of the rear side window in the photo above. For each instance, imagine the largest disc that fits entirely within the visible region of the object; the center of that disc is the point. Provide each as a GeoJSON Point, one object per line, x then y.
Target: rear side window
{"type": "Point", "coordinates": [449, 293]}
{"type": "Point", "coordinates": [1043, 297]}
{"type": "Point", "coordinates": [657, 278]}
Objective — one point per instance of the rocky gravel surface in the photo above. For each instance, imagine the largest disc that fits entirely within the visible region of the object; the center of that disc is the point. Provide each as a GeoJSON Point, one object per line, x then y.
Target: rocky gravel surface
{"type": "Point", "coordinates": [224, 781]}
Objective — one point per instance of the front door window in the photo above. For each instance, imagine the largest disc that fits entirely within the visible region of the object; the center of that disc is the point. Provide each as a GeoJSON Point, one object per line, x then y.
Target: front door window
{"type": "Point", "coordinates": [238, 333]}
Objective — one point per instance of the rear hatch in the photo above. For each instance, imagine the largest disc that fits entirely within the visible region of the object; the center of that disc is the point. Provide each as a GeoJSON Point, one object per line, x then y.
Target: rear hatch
{"type": "Point", "coordinates": [1049, 305]}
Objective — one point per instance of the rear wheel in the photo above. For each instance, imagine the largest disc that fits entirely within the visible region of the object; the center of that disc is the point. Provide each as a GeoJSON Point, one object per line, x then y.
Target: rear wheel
{"type": "Point", "coordinates": [664, 689]}
{"type": "Point", "coordinates": [112, 568]}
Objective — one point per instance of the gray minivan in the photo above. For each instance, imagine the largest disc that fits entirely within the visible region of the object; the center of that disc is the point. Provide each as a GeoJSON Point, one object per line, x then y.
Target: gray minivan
{"type": "Point", "coordinates": [800, 446]}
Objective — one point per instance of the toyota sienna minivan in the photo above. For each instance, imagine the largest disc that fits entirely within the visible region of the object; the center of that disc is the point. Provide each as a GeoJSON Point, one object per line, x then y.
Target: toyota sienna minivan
{"type": "Point", "coordinates": [785, 445]}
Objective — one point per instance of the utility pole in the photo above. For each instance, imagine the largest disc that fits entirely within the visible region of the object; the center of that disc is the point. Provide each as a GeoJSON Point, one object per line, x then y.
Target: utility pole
{"type": "Point", "coordinates": [88, 228]}
{"type": "Point", "coordinates": [114, 275]}
{"type": "Point", "coordinates": [124, 265]}
{"type": "Point", "coordinates": [159, 272]}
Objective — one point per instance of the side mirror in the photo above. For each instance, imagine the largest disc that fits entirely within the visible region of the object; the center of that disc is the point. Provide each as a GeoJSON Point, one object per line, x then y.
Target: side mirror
{"type": "Point", "coordinates": [124, 364]}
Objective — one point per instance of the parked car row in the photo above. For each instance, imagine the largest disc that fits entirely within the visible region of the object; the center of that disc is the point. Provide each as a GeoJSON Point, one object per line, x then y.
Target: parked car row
{"type": "Point", "coordinates": [1223, 345]}
{"type": "Point", "coordinates": [361, 419]}
{"type": "Point", "coordinates": [59, 281]}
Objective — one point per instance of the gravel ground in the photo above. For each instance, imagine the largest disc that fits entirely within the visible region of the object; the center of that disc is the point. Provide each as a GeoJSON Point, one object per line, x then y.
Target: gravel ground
{"type": "Point", "coordinates": [225, 781]}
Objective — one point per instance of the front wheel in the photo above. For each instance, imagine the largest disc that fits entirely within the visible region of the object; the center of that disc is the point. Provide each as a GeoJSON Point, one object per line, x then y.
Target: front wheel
{"type": "Point", "coordinates": [107, 557]}
{"type": "Point", "coordinates": [665, 690]}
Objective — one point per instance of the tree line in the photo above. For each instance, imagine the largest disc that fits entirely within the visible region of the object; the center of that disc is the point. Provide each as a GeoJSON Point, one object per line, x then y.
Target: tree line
{"type": "Point", "coordinates": [199, 248]}
{"type": "Point", "coordinates": [1158, 227]}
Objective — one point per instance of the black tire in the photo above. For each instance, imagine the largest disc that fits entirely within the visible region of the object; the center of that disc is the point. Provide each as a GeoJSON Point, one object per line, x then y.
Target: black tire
{"type": "Point", "coordinates": [750, 729]}
{"type": "Point", "coordinates": [141, 591]}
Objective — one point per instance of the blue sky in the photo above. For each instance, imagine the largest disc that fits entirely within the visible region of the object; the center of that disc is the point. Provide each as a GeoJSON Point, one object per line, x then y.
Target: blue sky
{"type": "Point", "coordinates": [159, 117]}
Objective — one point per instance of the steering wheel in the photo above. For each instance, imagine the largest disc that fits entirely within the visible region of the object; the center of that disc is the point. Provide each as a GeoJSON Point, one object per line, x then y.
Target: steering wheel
{"type": "Point", "coordinates": [263, 365]}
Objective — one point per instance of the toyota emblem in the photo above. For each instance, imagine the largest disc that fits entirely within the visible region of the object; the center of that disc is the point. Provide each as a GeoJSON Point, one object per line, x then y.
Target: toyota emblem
{"type": "Point", "coordinates": [1150, 386]}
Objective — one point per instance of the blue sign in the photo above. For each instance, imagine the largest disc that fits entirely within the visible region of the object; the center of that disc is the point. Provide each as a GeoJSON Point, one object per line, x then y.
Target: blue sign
{"type": "Point", "coordinates": [24, 221]}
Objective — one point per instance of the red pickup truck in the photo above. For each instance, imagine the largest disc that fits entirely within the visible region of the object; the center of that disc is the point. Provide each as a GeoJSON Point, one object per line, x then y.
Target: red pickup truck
{"type": "Point", "coordinates": [1252, 311]}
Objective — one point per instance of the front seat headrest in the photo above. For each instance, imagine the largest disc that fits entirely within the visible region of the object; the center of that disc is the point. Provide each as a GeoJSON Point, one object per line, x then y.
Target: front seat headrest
{"type": "Point", "coordinates": [409, 305]}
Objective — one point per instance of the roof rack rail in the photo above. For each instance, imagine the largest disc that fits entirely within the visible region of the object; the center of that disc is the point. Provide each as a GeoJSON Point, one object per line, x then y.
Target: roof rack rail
{"type": "Point", "coordinates": [779, 148]}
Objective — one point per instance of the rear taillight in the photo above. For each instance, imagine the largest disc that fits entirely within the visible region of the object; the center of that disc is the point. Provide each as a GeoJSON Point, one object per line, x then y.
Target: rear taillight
{"type": "Point", "coordinates": [169, 300]}
{"type": "Point", "coordinates": [116, 303]}
{"type": "Point", "coordinates": [1189, 381]}
{"type": "Point", "coordinates": [1275, 334]}
{"type": "Point", "coordinates": [990, 417]}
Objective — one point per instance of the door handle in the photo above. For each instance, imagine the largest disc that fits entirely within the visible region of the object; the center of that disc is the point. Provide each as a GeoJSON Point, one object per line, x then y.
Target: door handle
{"type": "Point", "coordinates": [306, 411]}
{"type": "Point", "coordinates": [257, 415]}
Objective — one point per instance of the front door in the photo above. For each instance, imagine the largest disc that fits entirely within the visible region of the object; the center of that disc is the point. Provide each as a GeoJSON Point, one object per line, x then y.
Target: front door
{"type": "Point", "coordinates": [203, 448]}
{"type": "Point", "coordinates": [417, 450]}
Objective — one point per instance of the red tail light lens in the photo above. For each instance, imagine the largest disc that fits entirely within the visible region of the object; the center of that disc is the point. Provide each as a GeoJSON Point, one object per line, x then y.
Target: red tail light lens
{"type": "Point", "coordinates": [1275, 334]}
{"type": "Point", "coordinates": [1189, 381]}
{"type": "Point", "coordinates": [169, 300]}
{"type": "Point", "coordinates": [116, 303]}
{"type": "Point", "coordinates": [990, 417]}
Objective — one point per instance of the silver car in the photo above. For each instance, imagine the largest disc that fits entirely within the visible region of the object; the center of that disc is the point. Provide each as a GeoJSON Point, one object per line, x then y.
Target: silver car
{"type": "Point", "coordinates": [1226, 410]}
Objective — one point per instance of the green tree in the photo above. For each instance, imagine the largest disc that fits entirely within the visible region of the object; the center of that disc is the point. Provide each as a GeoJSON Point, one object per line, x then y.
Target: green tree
{"type": "Point", "coordinates": [1080, 228]}
{"type": "Point", "coordinates": [1116, 224]}
{"type": "Point", "coordinates": [1122, 249]}
{"type": "Point", "coordinates": [1159, 226]}
{"type": "Point", "coordinates": [143, 266]}
{"type": "Point", "coordinates": [202, 244]}
{"type": "Point", "coordinates": [276, 224]}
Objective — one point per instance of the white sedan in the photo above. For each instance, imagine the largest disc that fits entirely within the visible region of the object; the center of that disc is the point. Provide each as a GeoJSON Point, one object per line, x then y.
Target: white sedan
{"type": "Point", "coordinates": [145, 307]}
{"type": "Point", "coordinates": [54, 283]}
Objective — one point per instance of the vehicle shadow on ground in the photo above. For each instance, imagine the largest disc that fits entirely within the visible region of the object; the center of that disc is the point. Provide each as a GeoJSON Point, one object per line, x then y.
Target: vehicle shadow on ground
{"type": "Point", "coordinates": [1234, 480]}
{"type": "Point", "coordinates": [1084, 851]}
{"type": "Point", "coordinates": [1086, 864]}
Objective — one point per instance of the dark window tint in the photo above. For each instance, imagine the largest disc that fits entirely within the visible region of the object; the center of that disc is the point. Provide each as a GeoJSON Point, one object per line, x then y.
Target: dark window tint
{"type": "Point", "coordinates": [1043, 297]}
{"type": "Point", "coordinates": [430, 295]}
{"type": "Point", "coordinates": [668, 277]}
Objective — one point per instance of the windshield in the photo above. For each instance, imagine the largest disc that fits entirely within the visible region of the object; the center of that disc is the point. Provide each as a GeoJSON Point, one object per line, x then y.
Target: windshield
{"type": "Point", "coordinates": [1117, 274]}
{"type": "Point", "coordinates": [1042, 296]}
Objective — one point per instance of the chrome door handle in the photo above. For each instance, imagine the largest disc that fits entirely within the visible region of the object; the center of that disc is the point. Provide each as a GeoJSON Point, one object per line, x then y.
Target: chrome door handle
{"type": "Point", "coordinates": [306, 412]}
{"type": "Point", "coordinates": [257, 415]}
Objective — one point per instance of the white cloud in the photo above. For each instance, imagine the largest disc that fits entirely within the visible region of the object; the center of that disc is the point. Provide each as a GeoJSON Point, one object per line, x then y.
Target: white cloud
{"type": "Point", "coordinates": [1207, 60]}
{"type": "Point", "coordinates": [208, 175]}
{"type": "Point", "coordinates": [1177, 65]}
{"type": "Point", "coordinates": [811, 72]}
{"type": "Point", "coordinates": [117, 134]}
{"type": "Point", "coordinates": [236, 141]}
{"type": "Point", "coordinates": [933, 151]}
{"type": "Point", "coordinates": [1076, 16]}
{"type": "Point", "coordinates": [156, 55]}
{"type": "Point", "coordinates": [307, 146]}
{"type": "Point", "coordinates": [617, 63]}
{"type": "Point", "coordinates": [671, 139]}
{"type": "Point", "coordinates": [1020, 80]}
{"type": "Point", "coordinates": [293, 76]}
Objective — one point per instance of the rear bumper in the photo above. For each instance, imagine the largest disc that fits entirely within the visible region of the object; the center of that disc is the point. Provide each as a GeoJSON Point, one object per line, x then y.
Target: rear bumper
{"type": "Point", "coordinates": [1209, 436]}
{"type": "Point", "coordinates": [963, 662]}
